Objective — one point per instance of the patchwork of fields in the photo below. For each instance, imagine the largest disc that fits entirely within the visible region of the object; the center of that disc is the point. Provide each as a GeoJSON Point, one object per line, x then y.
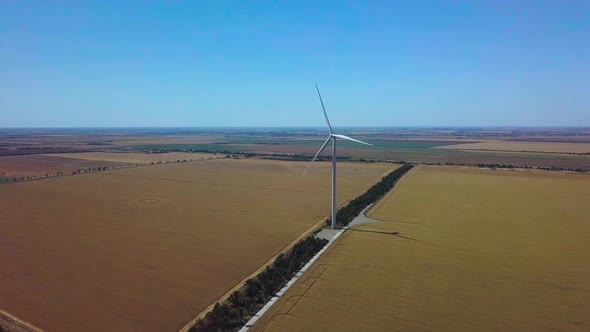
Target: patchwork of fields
{"type": "Point", "coordinates": [551, 154]}
{"type": "Point", "coordinates": [456, 249]}
{"type": "Point", "coordinates": [38, 165]}
{"type": "Point", "coordinates": [148, 248]}
{"type": "Point", "coordinates": [137, 157]}
{"type": "Point", "coordinates": [496, 145]}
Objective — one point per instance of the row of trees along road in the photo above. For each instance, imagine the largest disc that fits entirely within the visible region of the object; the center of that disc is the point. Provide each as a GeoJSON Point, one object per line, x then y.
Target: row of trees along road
{"type": "Point", "coordinates": [244, 303]}
{"type": "Point", "coordinates": [241, 305]}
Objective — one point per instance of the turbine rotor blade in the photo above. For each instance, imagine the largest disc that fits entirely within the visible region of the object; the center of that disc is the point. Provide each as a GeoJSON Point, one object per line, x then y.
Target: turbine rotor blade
{"type": "Point", "coordinates": [324, 108]}
{"type": "Point", "coordinates": [317, 154]}
{"type": "Point", "coordinates": [351, 139]}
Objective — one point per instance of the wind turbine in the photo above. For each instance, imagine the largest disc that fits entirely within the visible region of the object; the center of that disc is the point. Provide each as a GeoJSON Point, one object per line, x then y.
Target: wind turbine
{"type": "Point", "coordinates": [333, 138]}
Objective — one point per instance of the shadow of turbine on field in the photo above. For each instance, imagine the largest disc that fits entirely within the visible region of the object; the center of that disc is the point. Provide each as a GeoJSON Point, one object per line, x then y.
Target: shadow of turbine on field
{"type": "Point", "coordinates": [398, 234]}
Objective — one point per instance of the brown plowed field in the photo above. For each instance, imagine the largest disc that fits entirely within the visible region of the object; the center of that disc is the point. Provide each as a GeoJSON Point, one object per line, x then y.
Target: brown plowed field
{"type": "Point", "coordinates": [146, 249]}
{"type": "Point", "coordinates": [458, 249]}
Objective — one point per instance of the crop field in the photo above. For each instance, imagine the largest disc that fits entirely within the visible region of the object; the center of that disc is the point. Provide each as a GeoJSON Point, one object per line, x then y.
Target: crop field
{"type": "Point", "coordinates": [555, 147]}
{"type": "Point", "coordinates": [164, 140]}
{"type": "Point", "coordinates": [82, 137]}
{"type": "Point", "coordinates": [148, 248]}
{"type": "Point", "coordinates": [136, 157]}
{"type": "Point", "coordinates": [284, 145]}
{"type": "Point", "coordinates": [377, 143]}
{"type": "Point", "coordinates": [416, 150]}
{"type": "Point", "coordinates": [455, 249]}
{"type": "Point", "coordinates": [435, 154]}
{"type": "Point", "coordinates": [39, 165]}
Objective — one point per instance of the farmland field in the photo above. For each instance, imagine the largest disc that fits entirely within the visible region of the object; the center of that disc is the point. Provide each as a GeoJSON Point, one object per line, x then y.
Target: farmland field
{"type": "Point", "coordinates": [146, 249]}
{"type": "Point", "coordinates": [533, 147]}
{"type": "Point", "coordinates": [456, 249]}
{"type": "Point", "coordinates": [136, 157]}
{"type": "Point", "coordinates": [280, 144]}
{"type": "Point", "coordinates": [39, 165]}
{"type": "Point", "coordinates": [433, 154]}
{"type": "Point", "coordinates": [407, 150]}
{"type": "Point", "coordinates": [166, 140]}
{"type": "Point", "coordinates": [555, 147]}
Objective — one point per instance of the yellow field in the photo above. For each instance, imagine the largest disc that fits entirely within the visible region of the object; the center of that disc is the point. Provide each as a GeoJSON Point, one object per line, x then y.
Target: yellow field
{"type": "Point", "coordinates": [146, 249]}
{"type": "Point", "coordinates": [477, 250]}
{"type": "Point", "coordinates": [497, 145]}
{"type": "Point", "coordinates": [136, 157]}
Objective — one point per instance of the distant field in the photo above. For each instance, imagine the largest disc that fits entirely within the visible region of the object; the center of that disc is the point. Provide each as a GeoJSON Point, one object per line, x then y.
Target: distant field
{"type": "Point", "coordinates": [277, 145]}
{"type": "Point", "coordinates": [442, 151]}
{"type": "Point", "coordinates": [437, 155]}
{"type": "Point", "coordinates": [556, 147]}
{"type": "Point", "coordinates": [87, 137]}
{"type": "Point", "coordinates": [473, 250]}
{"type": "Point", "coordinates": [146, 249]}
{"type": "Point", "coordinates": [377, 143]}
{"type": "Point", "coordinates": [39, 165]}
{"type": "Point", "coordinates": [545, 147]}
{"type": "Point", "coordinates": [135, 157]}
{"type": "Point", "coordinates": [208, 147]}
{"type": "Point", "coordinates": [167, 140]}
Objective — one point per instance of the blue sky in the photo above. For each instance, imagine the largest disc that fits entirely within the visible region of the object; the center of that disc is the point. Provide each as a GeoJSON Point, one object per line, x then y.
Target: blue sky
{"type": "Point", "coordinates": [254, 63]}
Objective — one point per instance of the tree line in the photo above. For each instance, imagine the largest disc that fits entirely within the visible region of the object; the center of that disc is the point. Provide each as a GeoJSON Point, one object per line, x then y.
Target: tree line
{"type": "Point", "coordinates": [242, 304]}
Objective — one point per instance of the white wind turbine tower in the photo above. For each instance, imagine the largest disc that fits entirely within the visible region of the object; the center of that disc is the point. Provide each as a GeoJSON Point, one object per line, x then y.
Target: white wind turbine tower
{"type": "Point", "coordinates": [332, 137]}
